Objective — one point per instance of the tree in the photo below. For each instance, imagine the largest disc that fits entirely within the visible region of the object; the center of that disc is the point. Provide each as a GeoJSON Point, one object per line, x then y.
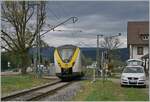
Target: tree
{"type": "Point", "coordinates": [11, 58]}
{"type": "Point", "coordinates": [110, 44]}
{"type": "Point", "coordinates": [4, 61]}
{"type": "Point", "coordinates": [20, 28]}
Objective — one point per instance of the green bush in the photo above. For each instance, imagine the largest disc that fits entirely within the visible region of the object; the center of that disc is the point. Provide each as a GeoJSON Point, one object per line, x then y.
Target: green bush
{"type": "Point", "coordinates": [8, 57]}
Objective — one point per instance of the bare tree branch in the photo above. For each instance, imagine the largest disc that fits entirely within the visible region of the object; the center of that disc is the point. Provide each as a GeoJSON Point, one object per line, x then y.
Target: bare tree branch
{"type": "Point", "coordinates": [19, 15]}
{"type": "Point", "coordinates": [8, 43]}
{"type": "Point", "coordinates": [110, 43]}
{"type": "Point", "coordinates": [12, 40]}
{"type": "Point", "coordinates": [2, 47]}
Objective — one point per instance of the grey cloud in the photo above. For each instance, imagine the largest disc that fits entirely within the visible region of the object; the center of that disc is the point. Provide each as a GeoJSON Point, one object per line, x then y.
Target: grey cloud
{"type": "Point", "coordinates": [95, 17]}
{"type": "Point", "coordinates": [109, 8]}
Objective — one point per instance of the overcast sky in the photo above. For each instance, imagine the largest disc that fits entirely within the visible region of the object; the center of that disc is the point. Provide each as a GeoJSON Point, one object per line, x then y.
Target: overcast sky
{"type": "Point", "coordinates": [94, 17]}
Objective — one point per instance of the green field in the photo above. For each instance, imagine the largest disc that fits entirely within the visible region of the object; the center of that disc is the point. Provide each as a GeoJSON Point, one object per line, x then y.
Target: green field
{"type": "Point", "coordinates": [19, 82]}
{"type": "Point", "coordinates": [110, 91]}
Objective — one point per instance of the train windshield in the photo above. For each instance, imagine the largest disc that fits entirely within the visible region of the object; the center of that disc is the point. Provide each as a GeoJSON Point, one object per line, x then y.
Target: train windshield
{"type": "Point", "coordinates": [66, 53]}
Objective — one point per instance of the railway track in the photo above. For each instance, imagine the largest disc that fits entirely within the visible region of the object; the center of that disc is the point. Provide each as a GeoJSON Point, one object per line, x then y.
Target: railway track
{"type": "Point", "coordinates": [36, 93]}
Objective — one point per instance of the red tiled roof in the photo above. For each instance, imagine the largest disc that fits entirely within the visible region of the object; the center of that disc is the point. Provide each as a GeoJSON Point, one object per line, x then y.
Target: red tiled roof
{"type": "Point", "coordinates": [134, 30]}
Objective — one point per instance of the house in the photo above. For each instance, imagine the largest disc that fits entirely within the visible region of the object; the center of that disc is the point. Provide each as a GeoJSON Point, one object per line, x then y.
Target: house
{"type": "Point", "coordinates": [138, 41]}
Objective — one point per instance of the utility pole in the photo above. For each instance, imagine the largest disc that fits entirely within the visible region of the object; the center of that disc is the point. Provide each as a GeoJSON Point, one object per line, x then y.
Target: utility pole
{"type": "Point", "coordinates": [97, 59]}
{"type": "Point", "coordinates": [98, 53]}
{"type": "Point", "coordinates": [38, 62]}
{"type": "Point", "coordinates": [38, 37]}
{"type": "Point", "coordinates": [37, 55]}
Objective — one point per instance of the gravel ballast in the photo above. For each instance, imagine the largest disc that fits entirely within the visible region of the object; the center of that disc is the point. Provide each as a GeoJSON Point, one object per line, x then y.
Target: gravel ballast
{"type": "Point", "coordinates": [65, 94]}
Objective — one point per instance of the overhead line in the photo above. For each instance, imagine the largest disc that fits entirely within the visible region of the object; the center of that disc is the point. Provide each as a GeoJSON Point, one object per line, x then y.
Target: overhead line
{"type": "Point", "coordinates": [73, 18]}
{"type": "Point", "coordinates": [54, 14]}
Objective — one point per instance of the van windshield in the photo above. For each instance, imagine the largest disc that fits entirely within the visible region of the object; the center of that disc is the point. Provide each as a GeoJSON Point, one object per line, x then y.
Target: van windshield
{"type": "Point", "coordinates": [134, 63]}
{"type": "Point", "coordinates": [133, 70]}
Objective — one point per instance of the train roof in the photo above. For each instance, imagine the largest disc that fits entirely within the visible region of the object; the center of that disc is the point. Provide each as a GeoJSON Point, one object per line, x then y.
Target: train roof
{"type": "Point", "coordinates": [67, 46]}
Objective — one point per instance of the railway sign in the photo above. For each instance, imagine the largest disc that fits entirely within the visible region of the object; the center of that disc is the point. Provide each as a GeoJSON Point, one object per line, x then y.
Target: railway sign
{"type": "Point", "coordinates": [92, 66]}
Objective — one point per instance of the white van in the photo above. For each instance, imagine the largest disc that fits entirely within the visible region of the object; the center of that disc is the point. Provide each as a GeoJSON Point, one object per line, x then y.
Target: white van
{"type": "Point", "coordinates": [133, 74]}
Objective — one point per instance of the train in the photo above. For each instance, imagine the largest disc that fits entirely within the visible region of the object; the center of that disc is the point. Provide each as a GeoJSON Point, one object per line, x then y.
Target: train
{"type": "Point", "coordinates": [67, 62]}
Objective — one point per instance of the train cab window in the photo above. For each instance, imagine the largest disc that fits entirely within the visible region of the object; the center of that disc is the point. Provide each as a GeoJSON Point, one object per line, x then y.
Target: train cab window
{"type": "Point", "coordinates": [66, 53]}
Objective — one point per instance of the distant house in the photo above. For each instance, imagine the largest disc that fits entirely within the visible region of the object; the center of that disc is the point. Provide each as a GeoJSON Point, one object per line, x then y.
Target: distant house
{"type": "Point", "coordinates": [138, 41]}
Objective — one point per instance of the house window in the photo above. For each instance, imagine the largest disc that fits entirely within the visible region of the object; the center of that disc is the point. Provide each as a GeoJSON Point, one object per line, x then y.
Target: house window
{"type": "Point", "coordinates": [145, 36]}
{"type": "Point", "coordinates": [139, 50]}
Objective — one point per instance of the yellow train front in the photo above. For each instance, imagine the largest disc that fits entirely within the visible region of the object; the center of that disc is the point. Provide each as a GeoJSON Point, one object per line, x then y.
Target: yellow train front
{"type": "Point", "coordinates": [67, 61]}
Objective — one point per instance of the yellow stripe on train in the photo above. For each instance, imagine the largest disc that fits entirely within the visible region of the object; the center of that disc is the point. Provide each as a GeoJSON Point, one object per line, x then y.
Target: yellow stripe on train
{"type": "Point", "coordinates": [66, 65]}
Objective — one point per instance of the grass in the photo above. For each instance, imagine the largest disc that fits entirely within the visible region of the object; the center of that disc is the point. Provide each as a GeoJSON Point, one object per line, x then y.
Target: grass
{"type": "Point", "coordinates": [19, 82]}
{"type": "Point", "coordinates": [109, 91]}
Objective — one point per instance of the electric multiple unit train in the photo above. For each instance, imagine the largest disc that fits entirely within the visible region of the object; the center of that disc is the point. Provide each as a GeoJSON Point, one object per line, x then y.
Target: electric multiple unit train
{"type": "Point", "coordinates": [67, 61]}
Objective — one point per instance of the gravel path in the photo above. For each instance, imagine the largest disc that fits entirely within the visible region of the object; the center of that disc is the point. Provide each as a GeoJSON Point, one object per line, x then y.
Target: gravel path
{"type": "Point", "coordinates": [65, 94]}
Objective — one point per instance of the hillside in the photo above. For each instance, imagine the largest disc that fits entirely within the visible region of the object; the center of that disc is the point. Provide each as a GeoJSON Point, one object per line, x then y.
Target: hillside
{"type": "Point", "coordinates": [91, 53]}
{"type": "Point", "coordinates": [48, 53]}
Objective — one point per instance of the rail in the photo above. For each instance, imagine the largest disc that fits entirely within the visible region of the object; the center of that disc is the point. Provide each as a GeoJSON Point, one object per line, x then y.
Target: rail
{"type": "Point", "coordinates": [36, 92]}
